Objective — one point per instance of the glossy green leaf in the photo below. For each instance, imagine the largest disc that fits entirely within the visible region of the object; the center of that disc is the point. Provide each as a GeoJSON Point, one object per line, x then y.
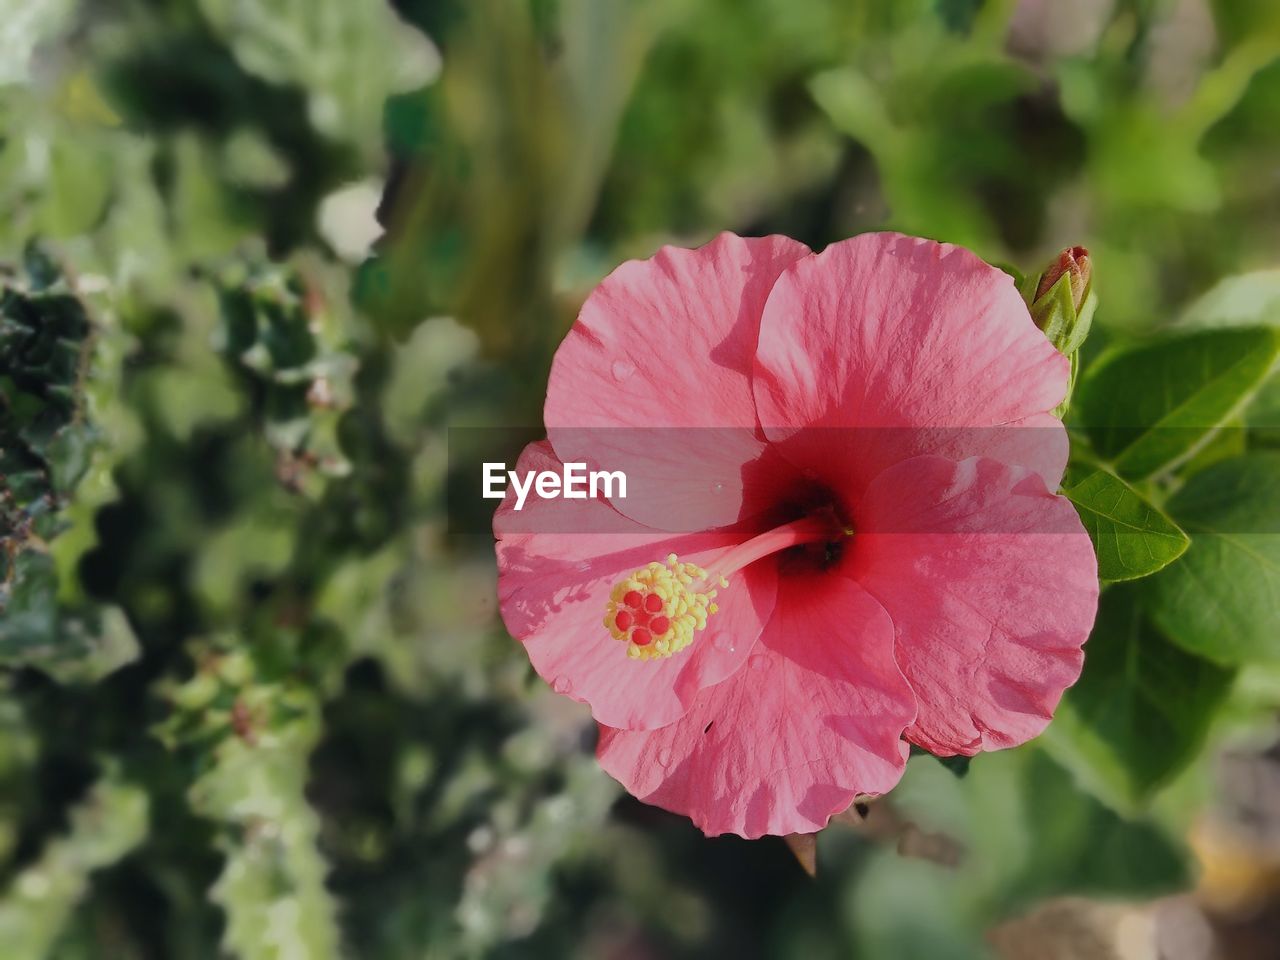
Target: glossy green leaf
{"type": "Point", "coordinates": [1222, 600]}
{"type": "Point", "coordinates": [1248, 299]}
{"type": "Point", "coordinates": [1131, 536]}
{"type": "Point", "coordinates": [1245, 300]}
{"type": "Point", "coordinates": [1231, 440]}
{"type": "Point", "coordinates": [1139, 712]}
{"type": "Point", "coordinates": [1148, 407]}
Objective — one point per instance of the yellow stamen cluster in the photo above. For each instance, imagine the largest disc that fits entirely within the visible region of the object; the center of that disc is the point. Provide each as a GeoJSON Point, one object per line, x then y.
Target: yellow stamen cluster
{"type": "Point", "coordinates": [686, 600]}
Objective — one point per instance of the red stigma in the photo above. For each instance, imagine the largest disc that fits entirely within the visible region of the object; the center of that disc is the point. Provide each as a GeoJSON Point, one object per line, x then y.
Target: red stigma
{"type": "Point", "coordinates": [657, 609]}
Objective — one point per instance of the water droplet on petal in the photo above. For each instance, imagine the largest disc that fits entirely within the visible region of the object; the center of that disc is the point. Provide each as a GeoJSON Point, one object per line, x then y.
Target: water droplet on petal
{"type": "Point", "coordinates": [724, 642]}
{"type": "Point", "coordinates": [717, 487]}
{"type": "Point", "coordinates": [622, 369]}
{"type": "Point", "coordinates": [562, 685]}
{"type": "Point", "coordinates": [664, 756]}
{"type": "Point", "coordinates": [758, 662]}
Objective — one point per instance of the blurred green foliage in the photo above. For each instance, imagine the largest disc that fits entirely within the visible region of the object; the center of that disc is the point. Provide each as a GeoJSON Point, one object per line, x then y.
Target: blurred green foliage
{"type": "Point", "coordinates": [254, 699]}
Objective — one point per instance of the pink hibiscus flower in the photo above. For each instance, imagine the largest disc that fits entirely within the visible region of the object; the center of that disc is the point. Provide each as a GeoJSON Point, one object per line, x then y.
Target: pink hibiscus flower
{"type": "Point", "coordinates": [857, 547]}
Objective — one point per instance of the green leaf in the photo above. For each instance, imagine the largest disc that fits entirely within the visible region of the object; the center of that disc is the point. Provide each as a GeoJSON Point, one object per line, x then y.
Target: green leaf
{"type": "Point", "coordinates": [1231, 440]}
{"type": "Point", "coordinates": [1140, 711]}
{"type": "Point", "coordinates": [1148, 407]}
{"type": "Point", "coordinates": [70, 642]}
{"type": "Point", "coordinates": [958, 765]}
{"type": "Point", "coordinates": [26, 27]}
{"type": "Point", "coordinates": [37, 905]}
{"type": "Point", "coordinates": [257, 737]}
{"type": "Point", "coordinates": [1131, 536]}
{"type": "Point", "coordinates": [1022, 830]}
{"type": "Point", "coordinates": [1248, 299]}
{"type": "Point", "coordinates": [1245, 300]}
{"type": "Point", "coordinates": [348, 58]}
{"type": "Point", "coordinates": [78, 191]}
{"type": "Point", "coordinates": [1222, 600]}
{"type": "Point", "coordinates": [48, 445]}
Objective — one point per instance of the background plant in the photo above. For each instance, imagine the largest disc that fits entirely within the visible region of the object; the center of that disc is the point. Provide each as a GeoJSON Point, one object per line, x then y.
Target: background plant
{"type": "Point", "coordinates": [255, 698]}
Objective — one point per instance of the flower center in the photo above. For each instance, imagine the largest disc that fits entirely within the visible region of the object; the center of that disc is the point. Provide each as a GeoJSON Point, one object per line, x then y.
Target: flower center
{"type": "Point", "coordinates": [658, 609]}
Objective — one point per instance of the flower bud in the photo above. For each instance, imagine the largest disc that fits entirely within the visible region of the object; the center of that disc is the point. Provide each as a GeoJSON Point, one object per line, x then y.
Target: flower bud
{"type": "Point", "coordinates": [1074, 262]}
{"type": "Point", "coordinates": [1062, 303]}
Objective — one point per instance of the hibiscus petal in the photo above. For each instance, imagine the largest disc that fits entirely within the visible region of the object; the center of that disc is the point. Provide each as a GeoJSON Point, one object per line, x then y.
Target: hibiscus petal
{"type": "Point", "coordinates": [553, 585]}
{"type": "Point", "coordinates": [667, 345]}
{"type": "Point", "coordinates": [992, 585]}
{"type": "Point", "coordinates": [813, 721]}
{"type": "Point", "coordinates": [921, 340]}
